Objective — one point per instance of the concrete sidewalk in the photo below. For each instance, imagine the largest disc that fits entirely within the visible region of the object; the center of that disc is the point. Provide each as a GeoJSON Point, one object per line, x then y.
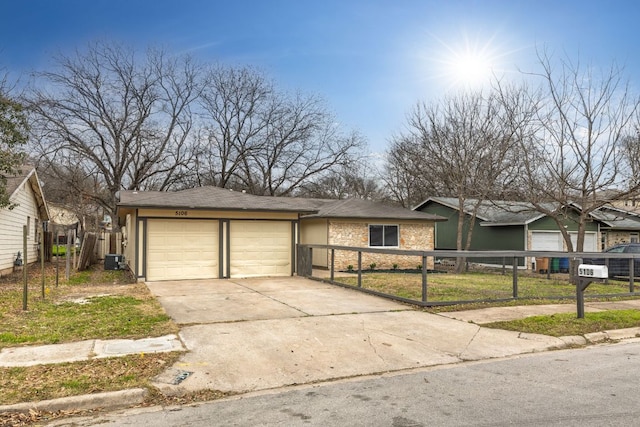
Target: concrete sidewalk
{"type": "Point", "coordinates": [85, 350]}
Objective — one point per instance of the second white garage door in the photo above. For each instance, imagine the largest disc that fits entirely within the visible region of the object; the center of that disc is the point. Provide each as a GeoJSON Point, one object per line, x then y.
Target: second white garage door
{"type": "Point", "coordinates": [260, 248]}
{"type": "Point", "coordinates": [182, 249]}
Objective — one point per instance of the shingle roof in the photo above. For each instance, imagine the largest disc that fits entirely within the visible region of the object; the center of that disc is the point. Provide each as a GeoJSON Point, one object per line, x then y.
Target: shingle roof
{"type": "Point", "coordinates": [616, 218]}
{"type": "Point", "coordinates": [28, 174]}
{"type": "Point", "coordinates": [209, 198]}
{"type": "Point", "coordinates": [493, 212]}
{"type": "Point", "coordinates": [362, 209]}
{"type": "Point", "coordinates": [223, 199]}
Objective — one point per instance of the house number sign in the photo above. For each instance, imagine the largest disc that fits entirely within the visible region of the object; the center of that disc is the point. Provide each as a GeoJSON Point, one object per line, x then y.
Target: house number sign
{"type": "Point", "coordinates": [181, 213]}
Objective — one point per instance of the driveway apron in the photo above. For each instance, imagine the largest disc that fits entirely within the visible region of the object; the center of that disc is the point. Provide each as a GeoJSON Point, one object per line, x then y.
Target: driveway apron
{"type": "Point", "coordinates": [256, 334]}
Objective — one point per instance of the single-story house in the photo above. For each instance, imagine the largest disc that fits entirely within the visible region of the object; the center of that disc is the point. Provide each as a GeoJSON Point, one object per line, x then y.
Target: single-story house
{"type": "Point", "coordinates": [210, 232]}
{"type": "Point", "coordinates": [29, 209]}
{"type": "Point", "coordinates": [617, 226]}
{"type": "Point", "coordinates": [362, 223]}
{"type": "Point", "coordinates": [505, 225]}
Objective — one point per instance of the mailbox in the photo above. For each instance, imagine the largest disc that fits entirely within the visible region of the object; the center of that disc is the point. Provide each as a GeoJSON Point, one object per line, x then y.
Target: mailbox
{"type": "Point", "coordinates": [593, 271]}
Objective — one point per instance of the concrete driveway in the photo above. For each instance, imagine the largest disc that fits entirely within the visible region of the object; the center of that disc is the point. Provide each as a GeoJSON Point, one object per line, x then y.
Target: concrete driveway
{"type": "Point", "coordinates": [255, 334]}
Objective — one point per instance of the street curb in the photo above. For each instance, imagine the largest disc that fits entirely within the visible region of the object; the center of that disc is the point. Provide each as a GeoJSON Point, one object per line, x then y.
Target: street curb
{"type": "Point", "coordinates": [108, 401]}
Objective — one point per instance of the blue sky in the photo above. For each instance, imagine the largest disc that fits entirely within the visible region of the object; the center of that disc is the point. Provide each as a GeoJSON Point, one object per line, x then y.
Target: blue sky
{"type": "Point", "coordinates": [371, 60]}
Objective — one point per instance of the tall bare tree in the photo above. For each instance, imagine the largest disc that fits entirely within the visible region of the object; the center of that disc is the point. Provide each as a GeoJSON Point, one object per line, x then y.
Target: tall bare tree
{"type": "Point", "coordinates": [119, 116]}
{"type": "Point", "coordinates": [462, 147]}
{"type": "Point", "coordinates": [576, 156]}
{"type": "Point", "coordinates": [256, 138]}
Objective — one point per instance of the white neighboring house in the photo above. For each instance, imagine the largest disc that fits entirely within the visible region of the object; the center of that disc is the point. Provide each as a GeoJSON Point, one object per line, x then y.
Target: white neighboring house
{"type": "Point", "coordinates": [30, 209]}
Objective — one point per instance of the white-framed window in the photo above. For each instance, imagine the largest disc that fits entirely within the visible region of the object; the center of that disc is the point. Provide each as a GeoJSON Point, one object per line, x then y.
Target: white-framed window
{"type": "Point", "coordinates": [634, 237]}
{"type": "Point", "coordinates": [28, 226]}
{"type": "Point", "coordinates": [384, 235]}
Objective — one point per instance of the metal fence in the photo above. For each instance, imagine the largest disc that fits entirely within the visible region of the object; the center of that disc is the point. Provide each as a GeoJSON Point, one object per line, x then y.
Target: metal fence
{"type": "Point", "coordinates": [517, 268]}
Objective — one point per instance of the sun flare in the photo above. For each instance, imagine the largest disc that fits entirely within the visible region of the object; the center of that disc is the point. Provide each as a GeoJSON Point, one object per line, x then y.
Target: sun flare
{"type": "Point", "coordinates": [467, 62]}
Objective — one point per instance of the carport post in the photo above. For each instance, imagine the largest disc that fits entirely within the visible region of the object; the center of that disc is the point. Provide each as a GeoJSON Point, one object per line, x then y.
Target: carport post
{"type": "Point", "coordinates": [333, 258]}
{"type": "Point", "coordinates": [515, 277]}
{"type": "Point", "coordinates": [359, 269]}
{"type": "Point", "coordinates": [424, 278]}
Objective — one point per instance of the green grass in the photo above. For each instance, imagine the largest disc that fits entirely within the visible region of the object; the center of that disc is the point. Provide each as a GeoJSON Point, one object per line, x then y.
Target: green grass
{"type": "Point", "coordinates": [61, 250]}
{"type": "Point", "coordinates": [33, 383]}
{"type": "Point", "coordinates": [69, 312]}
{"type": "Point", "coordinates": [443, 287]}
{"type": "Point", "coordinates": [565, 324]}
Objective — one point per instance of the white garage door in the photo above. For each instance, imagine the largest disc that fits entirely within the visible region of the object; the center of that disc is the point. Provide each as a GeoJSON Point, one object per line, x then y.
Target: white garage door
{"type": "Point", "coordinates": [260, 248]}
{"type": "Point", "coordinates": [182, 249]}
{"type": "Point", "coordinates": [590, 241]}
{"type": "Point", "coordinates": [546, 241]}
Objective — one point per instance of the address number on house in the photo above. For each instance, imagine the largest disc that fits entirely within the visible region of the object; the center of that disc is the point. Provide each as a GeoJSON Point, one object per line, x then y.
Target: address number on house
{"type": "Point", "coordinates": [181, 213]}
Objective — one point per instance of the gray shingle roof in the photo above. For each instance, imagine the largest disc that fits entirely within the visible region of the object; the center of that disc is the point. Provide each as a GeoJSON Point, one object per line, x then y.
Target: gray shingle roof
{"type": "Point", "coordinates": [223, 199]}
{"type": "Point", "coordinates": [494, 212]}
{"type": "Point", "coordinates": [618, 219]}
{"type": "Point", "coordinates": [500, 213]}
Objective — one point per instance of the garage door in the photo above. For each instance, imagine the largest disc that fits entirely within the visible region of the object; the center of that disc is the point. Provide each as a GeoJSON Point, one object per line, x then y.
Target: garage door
{"type": "Point", "coordinates": [546, 241]}
{"type": "Point", "coordinates": [590, 241]}
{"type": "Point", "coordinates": [182, 249]}
{"type": "Point", "coordinates": [260, 248]}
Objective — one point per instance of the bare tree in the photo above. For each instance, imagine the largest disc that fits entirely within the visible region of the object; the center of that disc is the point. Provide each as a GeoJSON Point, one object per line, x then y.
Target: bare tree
{"type": "Point", "coordinates": [261, 140]}
{"type": "Point", "coordinates": [352, 181]}
{"type": "Point", "coordinates": [120, 117]}
{"type": "Point", "coordinates": [576, 156]}
{"type": "Point", "coordinates": [463, 147]}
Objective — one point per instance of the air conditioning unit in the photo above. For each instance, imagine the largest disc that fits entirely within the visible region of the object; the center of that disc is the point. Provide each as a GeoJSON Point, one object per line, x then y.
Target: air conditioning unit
{"type": "Point", "coordinates": [114, 262]}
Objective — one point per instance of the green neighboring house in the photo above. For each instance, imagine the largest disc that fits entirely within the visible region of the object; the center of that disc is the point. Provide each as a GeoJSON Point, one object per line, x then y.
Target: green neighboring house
{"type": "Point", "coordinates": [504, 225]}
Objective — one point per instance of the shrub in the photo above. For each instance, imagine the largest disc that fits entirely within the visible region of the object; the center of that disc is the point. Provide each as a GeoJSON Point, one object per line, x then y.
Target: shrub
{"type": "Point", "coordinates": [349, 267]}
{"type": "Point", "coordinates": [372, 266]}
{"type": "Point", "coordinates": [394, 266]}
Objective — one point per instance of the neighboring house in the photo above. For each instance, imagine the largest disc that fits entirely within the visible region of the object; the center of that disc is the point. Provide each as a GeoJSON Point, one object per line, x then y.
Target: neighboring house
{"type": "Point", "coordinates": [617, 226]}
{"type": "Point", "coordinates": [210, 232]}
{"type": "Point", "coordinates": [29, 209]}
{"type": "Point", "coordinates": [504, 225]}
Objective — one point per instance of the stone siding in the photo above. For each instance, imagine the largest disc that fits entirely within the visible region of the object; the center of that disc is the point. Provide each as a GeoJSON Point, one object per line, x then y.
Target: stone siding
{"type": "Point", "coordinates": [617, 237]}
{"type": "Point", "coordinates": [413, 236]}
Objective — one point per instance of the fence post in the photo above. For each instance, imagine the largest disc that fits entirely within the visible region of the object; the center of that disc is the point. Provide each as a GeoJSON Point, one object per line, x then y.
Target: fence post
{"type": "Point", "coordinates": [424, 278]}
{"type": "Point", "coordinates": [515, 277]}
{"type": "Point", "coordinates": [42, 241]}
{"type": "Point", "coordinates": [359, 269]}
{"type": "Point", "coordinates": [333, 259]}
{"type": "Point", "coordinates": [504, 265]}
{"type": "Point", "coordinates": [25, 287]}
{"type": "Point", "coordinates": [631, 273]}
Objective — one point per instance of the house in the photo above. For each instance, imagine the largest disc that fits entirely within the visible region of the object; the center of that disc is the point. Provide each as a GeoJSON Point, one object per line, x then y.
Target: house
{"type": "Point", "coordinates": [617, 226]}
{"type": "Point", "coordinates": [361, 223]}
{"type": "Point", "coordinates": [505, 225]}
{"type": "Point", "coordinates": [209, 232]}
{"type": "Point", "coordinates": [30, 210]}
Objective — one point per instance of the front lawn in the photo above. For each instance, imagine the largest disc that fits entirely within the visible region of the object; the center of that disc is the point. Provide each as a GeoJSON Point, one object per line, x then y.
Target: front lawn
{"type": "Point", "coordinates": [94, 304]}
{"type": "Point", "coordinates": [565, 324]}
{"type": "Point", "coordinates": [442, 287]}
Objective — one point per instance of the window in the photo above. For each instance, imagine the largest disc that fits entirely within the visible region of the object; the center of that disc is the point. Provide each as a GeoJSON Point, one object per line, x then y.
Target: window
{"type": "Point", "coordinates": [383, 235]}
{"type": "Point", "coordinates": [28, 225]}
{"type": "Point", "coordinates": [633, 237]}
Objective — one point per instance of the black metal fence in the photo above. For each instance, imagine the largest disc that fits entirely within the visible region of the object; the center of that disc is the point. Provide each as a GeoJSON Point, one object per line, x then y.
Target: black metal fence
{"type": "Point", "coordinates": [421, 285]}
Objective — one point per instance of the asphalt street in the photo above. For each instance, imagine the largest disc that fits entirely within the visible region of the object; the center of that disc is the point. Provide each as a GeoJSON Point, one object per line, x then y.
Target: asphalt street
{"type": "Point", "coordinates": [594, 385]}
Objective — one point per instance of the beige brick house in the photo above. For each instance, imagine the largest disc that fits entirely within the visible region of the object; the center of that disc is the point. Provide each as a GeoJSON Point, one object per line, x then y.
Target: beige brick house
{"type": "Point", "coordinates": [365, 224]}
{"type": "Point", "coordinates": [209, 232]}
